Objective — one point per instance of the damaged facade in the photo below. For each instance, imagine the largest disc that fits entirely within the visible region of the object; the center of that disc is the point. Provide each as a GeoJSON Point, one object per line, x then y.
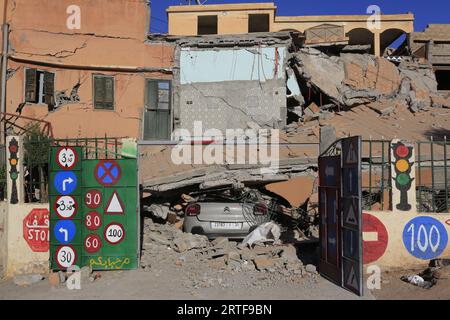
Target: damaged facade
{"type": "Point", "coordinates": [87, 80]}
{"type": "Point", "coordinates": [245, 18]}
{"type": "Point", "coordinates": [433, 44]}
{"type": "Point", "coordinates": [227, 82]}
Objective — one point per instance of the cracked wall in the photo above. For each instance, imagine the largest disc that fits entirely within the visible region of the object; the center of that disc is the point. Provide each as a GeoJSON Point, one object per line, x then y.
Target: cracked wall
{"type": "Point", "coordinates": [227, 88]}
{"type": "Point", "coordinates": [111, 41]}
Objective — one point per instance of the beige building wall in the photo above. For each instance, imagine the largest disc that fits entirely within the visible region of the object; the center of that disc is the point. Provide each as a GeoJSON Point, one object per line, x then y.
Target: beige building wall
{"type": "Point", "coordinates": [233, 19]}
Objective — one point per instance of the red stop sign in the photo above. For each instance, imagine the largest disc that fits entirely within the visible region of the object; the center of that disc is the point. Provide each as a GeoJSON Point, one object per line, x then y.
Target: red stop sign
{"type": "Point", "coordinates": [36, 230]}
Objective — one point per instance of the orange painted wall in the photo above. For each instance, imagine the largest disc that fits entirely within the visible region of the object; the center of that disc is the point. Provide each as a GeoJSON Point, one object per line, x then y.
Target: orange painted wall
{"type": "Point", "coordinates": [111, 38]}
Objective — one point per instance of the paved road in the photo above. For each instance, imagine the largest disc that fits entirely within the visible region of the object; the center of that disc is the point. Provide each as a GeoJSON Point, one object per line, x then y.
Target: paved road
{"type": "Point", "coordinates": [147, 285]}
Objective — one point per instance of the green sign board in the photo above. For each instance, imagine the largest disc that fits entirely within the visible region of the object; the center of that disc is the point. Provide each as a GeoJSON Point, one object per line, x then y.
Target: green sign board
{"type": "Point", "coordinates": [94, 211]}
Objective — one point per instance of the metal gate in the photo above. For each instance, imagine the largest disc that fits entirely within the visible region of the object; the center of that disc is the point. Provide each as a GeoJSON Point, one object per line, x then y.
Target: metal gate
{"type": "Point", "coordinates": [94, 209]}
{"type": "Point", "coordinates": [340, 214]}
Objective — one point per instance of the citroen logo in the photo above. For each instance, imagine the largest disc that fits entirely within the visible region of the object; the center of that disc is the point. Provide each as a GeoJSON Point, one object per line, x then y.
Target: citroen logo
{"type": "Point", "coordinates": [226, 210]}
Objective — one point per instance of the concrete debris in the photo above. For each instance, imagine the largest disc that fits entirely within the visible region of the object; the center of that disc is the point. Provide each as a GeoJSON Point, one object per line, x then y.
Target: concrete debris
{"type": "Point", "coordinates": [158, 211]}
{"type": "Point", "coordinates": [354, 79]}
{"type": "Point", "coordinates": [267, 232]}
{"type": "Point", "coordinates": [212, 263]}
{"type": "Point", "coordinates": [27, 279]}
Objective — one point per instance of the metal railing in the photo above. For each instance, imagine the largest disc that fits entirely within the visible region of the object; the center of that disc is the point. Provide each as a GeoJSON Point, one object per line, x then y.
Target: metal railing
{"type": "Point", "coordinates": [36, 160]}
{"type": "Point", "coordinates": [432, 175]}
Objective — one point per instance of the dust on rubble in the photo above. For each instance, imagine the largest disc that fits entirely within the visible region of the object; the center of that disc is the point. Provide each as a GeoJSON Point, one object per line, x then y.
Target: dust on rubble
{"type": "Point", "coordinates": [220, 263]}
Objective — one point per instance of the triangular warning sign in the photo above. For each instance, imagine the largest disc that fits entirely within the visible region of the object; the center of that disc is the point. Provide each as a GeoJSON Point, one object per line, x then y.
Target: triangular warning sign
{"type": "Point", "coordinates": [115, 205]}
{"type": "Point", "coordinates": [351, 156]}
{"type": "Point", "coordinates": [351, 215]}
{"type": "Point", "coordinates": [351, 279]}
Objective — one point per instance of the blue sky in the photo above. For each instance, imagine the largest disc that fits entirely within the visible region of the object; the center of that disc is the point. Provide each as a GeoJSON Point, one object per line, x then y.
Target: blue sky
{"type": "Point", "coordinates": [425, 11]}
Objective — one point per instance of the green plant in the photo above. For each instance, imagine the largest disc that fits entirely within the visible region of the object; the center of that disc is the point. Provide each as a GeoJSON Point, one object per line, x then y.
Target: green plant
{"type": "Point", "coordinates": [36, 158]}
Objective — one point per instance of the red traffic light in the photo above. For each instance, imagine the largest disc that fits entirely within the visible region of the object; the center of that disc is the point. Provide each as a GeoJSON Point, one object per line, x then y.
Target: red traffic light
{"type": "Point", "coordinates": [402, 151]}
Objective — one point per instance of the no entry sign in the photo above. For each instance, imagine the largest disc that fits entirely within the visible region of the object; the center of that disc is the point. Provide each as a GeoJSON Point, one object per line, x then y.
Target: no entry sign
{"type": "Point", "coordinates": [36, 230]}
{"type": "Point", "coordinates": [375, 238]}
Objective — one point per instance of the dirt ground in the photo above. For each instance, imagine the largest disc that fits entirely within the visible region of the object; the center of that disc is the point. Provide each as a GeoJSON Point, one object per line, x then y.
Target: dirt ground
{"type": "Point", "coordinates": [392, 288]}
{"type": "Point", "coordinates": [171, 284]}
{"type": "Point", "coordinates": [168, 284]}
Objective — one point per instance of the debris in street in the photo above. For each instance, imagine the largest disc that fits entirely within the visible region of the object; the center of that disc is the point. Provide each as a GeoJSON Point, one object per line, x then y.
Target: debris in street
{"type": "Point", "coordinates": [213, 263]}
{"type": "Point", "coordinates": [267, 232]}
{"type": "Point", "coordinates": [27, 279]}
{"type": "Point", "coordinates": [417, 281]}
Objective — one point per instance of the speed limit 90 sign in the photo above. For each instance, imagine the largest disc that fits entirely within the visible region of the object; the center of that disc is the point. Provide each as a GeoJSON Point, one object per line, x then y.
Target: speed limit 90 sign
{"type": "Point", "coordinates": [66, 158]}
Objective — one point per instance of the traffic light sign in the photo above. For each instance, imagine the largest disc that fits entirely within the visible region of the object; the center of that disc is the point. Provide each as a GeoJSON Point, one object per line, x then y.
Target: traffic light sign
{"type": "Point", "coordinates": [403, 175]}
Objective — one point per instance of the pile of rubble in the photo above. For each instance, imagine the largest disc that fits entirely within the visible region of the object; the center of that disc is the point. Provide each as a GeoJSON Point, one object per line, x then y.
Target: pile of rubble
{"type": "Point", "coordinates": [208, 263]}
{"type": "Point", "coordinates": [351, 80]}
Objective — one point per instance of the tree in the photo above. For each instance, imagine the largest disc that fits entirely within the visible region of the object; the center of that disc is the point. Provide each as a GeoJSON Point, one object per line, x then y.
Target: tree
{"type": "Point", "coordinates": [36, 154]}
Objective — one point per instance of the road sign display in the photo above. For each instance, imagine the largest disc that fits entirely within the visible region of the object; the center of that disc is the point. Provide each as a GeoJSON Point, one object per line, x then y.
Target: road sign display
{"type": "Point", "coordinates": [65, 256]}
{"type": "Point", "coordinates": [352, 245]}
{"type": "Point", "coordinates": [36, 230]}
{"type": "Point", "coordinates": [65, 182]}
{"type": "Point", "coordinates": [114, 205]}
{"type": "Point", "coordinates": [375, 238]}
{"type": "Point", "coordinates": [66, 157]}
{"type": "Point", "coordinates": [64, 231]}
{"type": "Point", "coordinates": [65, 207]}
{"type": "Point", "coordinates": [93, 221]}
{"type": "Point", "coordinates": [114, 233]}
{"type": "Point", "coordinates": [65, 235]}
{"type": "Point", "coordinates": [107, 172]}
{"type": "Point", "coordinates": [93, 199]}
{"type": "Point", "coordinates": [95, 211]}
{"type": "Point", "coordinates": [92, 243]}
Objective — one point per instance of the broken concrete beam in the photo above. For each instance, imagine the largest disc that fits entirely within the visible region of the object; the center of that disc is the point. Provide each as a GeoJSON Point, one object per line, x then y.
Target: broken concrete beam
{"type": "Point", "coordinates": [382, 107]}
{"type": "Point", "coordinates": [264, 263]}
{"type": "Point", "coordinates": [440, 102]}
{"type": "Point", "coordinates": [327, 137]}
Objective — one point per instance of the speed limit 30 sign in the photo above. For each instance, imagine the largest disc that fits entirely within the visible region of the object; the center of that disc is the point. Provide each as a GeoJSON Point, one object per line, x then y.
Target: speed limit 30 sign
{"type": "Point", "coordinates": [65, 256]}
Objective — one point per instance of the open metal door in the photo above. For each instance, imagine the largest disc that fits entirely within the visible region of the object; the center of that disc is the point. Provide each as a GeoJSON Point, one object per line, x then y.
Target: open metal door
{"type": "Point", "coordinates": [352, 262]}
{"type": "Point", "coordinates": [340, 214]}
{"type": "Point", "coordinates": [329, 231]}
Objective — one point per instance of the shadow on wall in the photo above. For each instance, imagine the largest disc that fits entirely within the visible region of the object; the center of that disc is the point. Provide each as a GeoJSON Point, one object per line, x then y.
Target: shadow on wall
{"type": "Point", "coordinates": [439, 134]}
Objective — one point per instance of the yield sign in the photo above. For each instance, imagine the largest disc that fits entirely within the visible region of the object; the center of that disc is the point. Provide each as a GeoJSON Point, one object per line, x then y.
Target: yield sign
{"type": "Point", "coordinates": [115, 205]}
{"type": "Point", "coordinates": [352, 281]}
{"type": "Point", "coordinates": [107, 172]}
{"type": "Point", "coordinates": [352, 156]}
{"type": "Point", "coordinates": [351, 213]}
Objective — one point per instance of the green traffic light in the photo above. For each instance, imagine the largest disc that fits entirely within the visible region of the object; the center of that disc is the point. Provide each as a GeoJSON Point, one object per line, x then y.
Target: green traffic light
{"type": "Point", "coordinates": [403, 179]}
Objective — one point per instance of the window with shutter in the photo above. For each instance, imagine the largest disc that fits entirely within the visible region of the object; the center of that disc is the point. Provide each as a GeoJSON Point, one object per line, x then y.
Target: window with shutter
{"type": "Point", "coordinates": [157, 118]}
{"type": "Point", "coordinates": [103, 92]}
{"type": "Point", "coordinates": [31, 85]}
{"type": "Point", "coordinates": [40, 87]}
{"type": "Point", "coordinates": [49, 90]}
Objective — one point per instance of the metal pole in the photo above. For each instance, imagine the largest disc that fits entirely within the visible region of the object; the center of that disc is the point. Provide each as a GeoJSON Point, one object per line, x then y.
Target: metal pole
{"type": "Point", "coordinates": [445, 173]}
{"type": "Point", "coordinates": [4, 74]}
{"type": "Point", "coordinates": [432, 174]}
{"type": "Point", "coordinates": [419, 160]}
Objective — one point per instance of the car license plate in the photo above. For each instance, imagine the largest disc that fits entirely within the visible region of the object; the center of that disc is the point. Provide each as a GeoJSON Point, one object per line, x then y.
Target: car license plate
{"type": "Point", "coordinates": [226, 225]}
